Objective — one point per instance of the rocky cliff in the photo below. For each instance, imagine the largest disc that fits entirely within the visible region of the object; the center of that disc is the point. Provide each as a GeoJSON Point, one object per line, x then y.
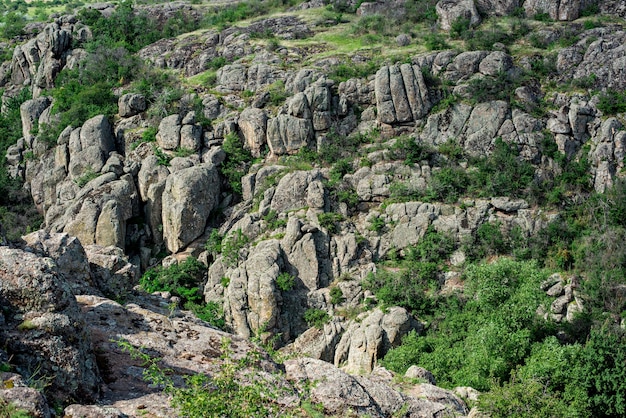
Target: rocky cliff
{"type": "Point", "coordinates": [291, 169]}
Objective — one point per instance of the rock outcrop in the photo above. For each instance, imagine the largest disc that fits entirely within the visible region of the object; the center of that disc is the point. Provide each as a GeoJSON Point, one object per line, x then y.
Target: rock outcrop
{"type": "Point", "coordinates": [44, 330]}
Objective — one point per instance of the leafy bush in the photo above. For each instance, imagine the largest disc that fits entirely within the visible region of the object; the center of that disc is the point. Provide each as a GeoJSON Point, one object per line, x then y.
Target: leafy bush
{"type": "Point", "coordinates": [377, 224]}
{"type": "Point", "coordinates": [132, 29]}
{"type": "Point", "coordinates": [408, 149]}
{"type": "Point", "coordinates": [487, 241]}
{"type": "Point", "coordinates": [181, 279]}
{"type": "Point", "coordinates": [329, 220]}
{"type": "Point", "coordinates": [184, 280]}
{"type": "Point", "coordinates": [233, 390]}
{"type": "Point", "coordinates": [612, 102]}
{"type": "Point", "coordinates": [272, 220]}
{"type": "Point", "coordinates": [231, 246]}
{"type": "Point", "coordinates": [336, 295]}
{"type": "Point", "coordinates": [214, 243]}
{"type": "Point", "coordinates": [285, 281]}
{"type": "Point", "coordinates": [236, 163]}
{"type": "Point", "coordinates": [412, 286]}
{"type": "Point", "coordinates": [435, 42]}
{"type": "Point", "coordinates": [476, 340]}
{"type": "Point", "coordinates": [316, 317]}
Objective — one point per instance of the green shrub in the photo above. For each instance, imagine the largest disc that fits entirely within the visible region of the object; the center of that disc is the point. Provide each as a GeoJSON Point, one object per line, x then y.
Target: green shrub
{"type": "Point", "coordinates": [285, 281]}
{"type": "Point", "coordinates": [336, 295]}
{"type": "Point", "coordinates": [86, 178]}
{"type": "Point", "coordinates": [482, 336]}
{"type": "Point", "coordinates": [408, 149]}
{"type": "Point", "coordinates": [9, 410]}
{"type": "Point", "coordinates": [236, 163]}
{"type": "Point", "coordinates": [435, 42]}
{"type": "Point", "coordinates": [149, 135]}
{"type": "Point", "coordinates": [214, 243]}
{"type": "Point", "coordinates": [272, 220]}
{"type": "Point", "coordinates": [231, 245]}
{"type": "Point", "coordinates": [459, 27]}
{"type": "Point", "coordinates": [239, 383]}
{"type": "Point", "coordinates": [181, 279]}
{"type": "Point", "coordinates": [487, 241]}
{"type": "Point", "coordinates": [316, 317]}
{"type": "Point", "coordinates": [13, 25]}
{"type": "Point", "coordinates": [612, 102]}
{"type": "Point", "coordinates": [377, 224]}
{"type": "Point", "coordinates": [329, 221]}
{"type": "Point", "coordinates": [211, 312]}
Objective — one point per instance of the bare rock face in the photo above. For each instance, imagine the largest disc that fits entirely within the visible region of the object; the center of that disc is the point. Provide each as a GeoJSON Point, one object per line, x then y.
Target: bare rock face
{"type": "Point", "coordinates": [131, 104]}
{"type": "Point", "coordinates": [401, 94]}
{"type": "Point", "coordinates": [366, 341]}
{"type": "Point", "coordinates": [91, 147]}
{"type": "Point", "coordinates": [112, 273]}
{"type": "Point", "coordinates": [599, 56]}
{"type": "Point", "coordinates": [341, 393]}
{"type": "Point", "coordinates": [563, 10]}
{"type": "Point", "coordinates": [253, 126]}
{"type": "Point", "coordinates": [44, 330]}
{"type": "Point", "coordinates": [451, 10]}
{"type": "Point", "coordinates": [30, 111]}
{"type": "Point", "coordinates": [496, 7]}
{"type": "Point", "coordinates": [69, 255]}
{"type": "Point", "coordinates": [188, 198]}
{"type": "Point", "coordinates": [293, 128]}
{"type": "Point", "coordinates": [168, 136]}
{"type": "Point", "coordinates": [16, 392]}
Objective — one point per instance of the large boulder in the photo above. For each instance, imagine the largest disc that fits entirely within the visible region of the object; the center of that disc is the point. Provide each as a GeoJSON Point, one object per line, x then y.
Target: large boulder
{"type": "Point", "coordinates": [131, 104]}
{"type": "Point", "coordinates": [450, 11]}
{"type": "Point", "coordinates": [564, 10]}
{"type": "Point", "coordinates": [341, 394]}
{"type": "Point", "coordinates": [44, 330]}
{"type": "Point", "coordinates": [253, 125]}
{"type": "Point", "coordinates": [90, 146]}
{"type": "Point", "coordinates": [369, 338]}
{"type": "Point", "coordinates": [293, 128]}
{"type": "Point", "coordinates": [496, 7]}
{"type": "Point", "coordinates": [30, 111]}
{"type": "Point", "coordinates": [69, 255]}
{"type": "Point", "coordinates": [401, 94]}
{"type": "Point", "coordinates": [188, 199]}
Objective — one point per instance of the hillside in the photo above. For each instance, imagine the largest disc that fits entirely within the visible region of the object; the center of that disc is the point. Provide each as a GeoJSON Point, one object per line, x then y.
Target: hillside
{"type": "Point", "coordinates": [324, 208]}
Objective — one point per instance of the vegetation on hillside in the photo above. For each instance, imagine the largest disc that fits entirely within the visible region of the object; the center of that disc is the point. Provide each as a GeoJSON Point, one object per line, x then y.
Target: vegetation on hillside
{"type": "Point", "coordinates": [487, 335]}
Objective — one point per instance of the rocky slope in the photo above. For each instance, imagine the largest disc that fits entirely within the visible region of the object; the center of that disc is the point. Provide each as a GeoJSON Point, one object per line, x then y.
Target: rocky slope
{"type": "Point", "coordinates": [114, 204]}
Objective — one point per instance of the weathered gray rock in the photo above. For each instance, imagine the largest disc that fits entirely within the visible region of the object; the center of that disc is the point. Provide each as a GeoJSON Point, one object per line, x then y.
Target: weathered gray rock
{"type": "Point", "coordinates": [296, 190]}
{"type": "Point", "coordinates": [293, 128]}
{"type": "Point", "coordinates": [252, 298]}
{"type": "Point", "coordinates": [112, 273]}
{"type": "Point", "coordinates": [496, 7]}
{"type": "Point", "coordinates": [188, 198]}
{"type": "Point", "coordinates": [69, 256]}
{"type": "Point", "coordinates": [93, 411]}
{"type": "Point", "coordinates": [168, 136]}
{"type": "Point", "coordinates": [495, 63]}
{"type": "Point", "coordinates": [401, 94]}
{"type": "Point", "coordinates": [483, 125]}
{"type": "Point", "coordinates": [253, 125]}
{"type": "Point", "coordinates": [451, 10]}
{"type": "Point", "coordinates": [416, 372]}
{"type": "Point", "coordinates": [30, 111]}
{"type": "Point", "coordinates": [44, 321]}
{"type": "Point", "coordinates": [15, 392]}
{"type": "Point", "coordinates": [342, 394]}
{"type": "Point", "coordinates": [369, 339]}
{"type": "Point", "coordinates": [403, 39]}
{"type": "Point", "coordinates": [90, 146]}
{"type": "Point", "coordinates": [131, 104]}
{"type": "Point", "coordinates": [564, 10]}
